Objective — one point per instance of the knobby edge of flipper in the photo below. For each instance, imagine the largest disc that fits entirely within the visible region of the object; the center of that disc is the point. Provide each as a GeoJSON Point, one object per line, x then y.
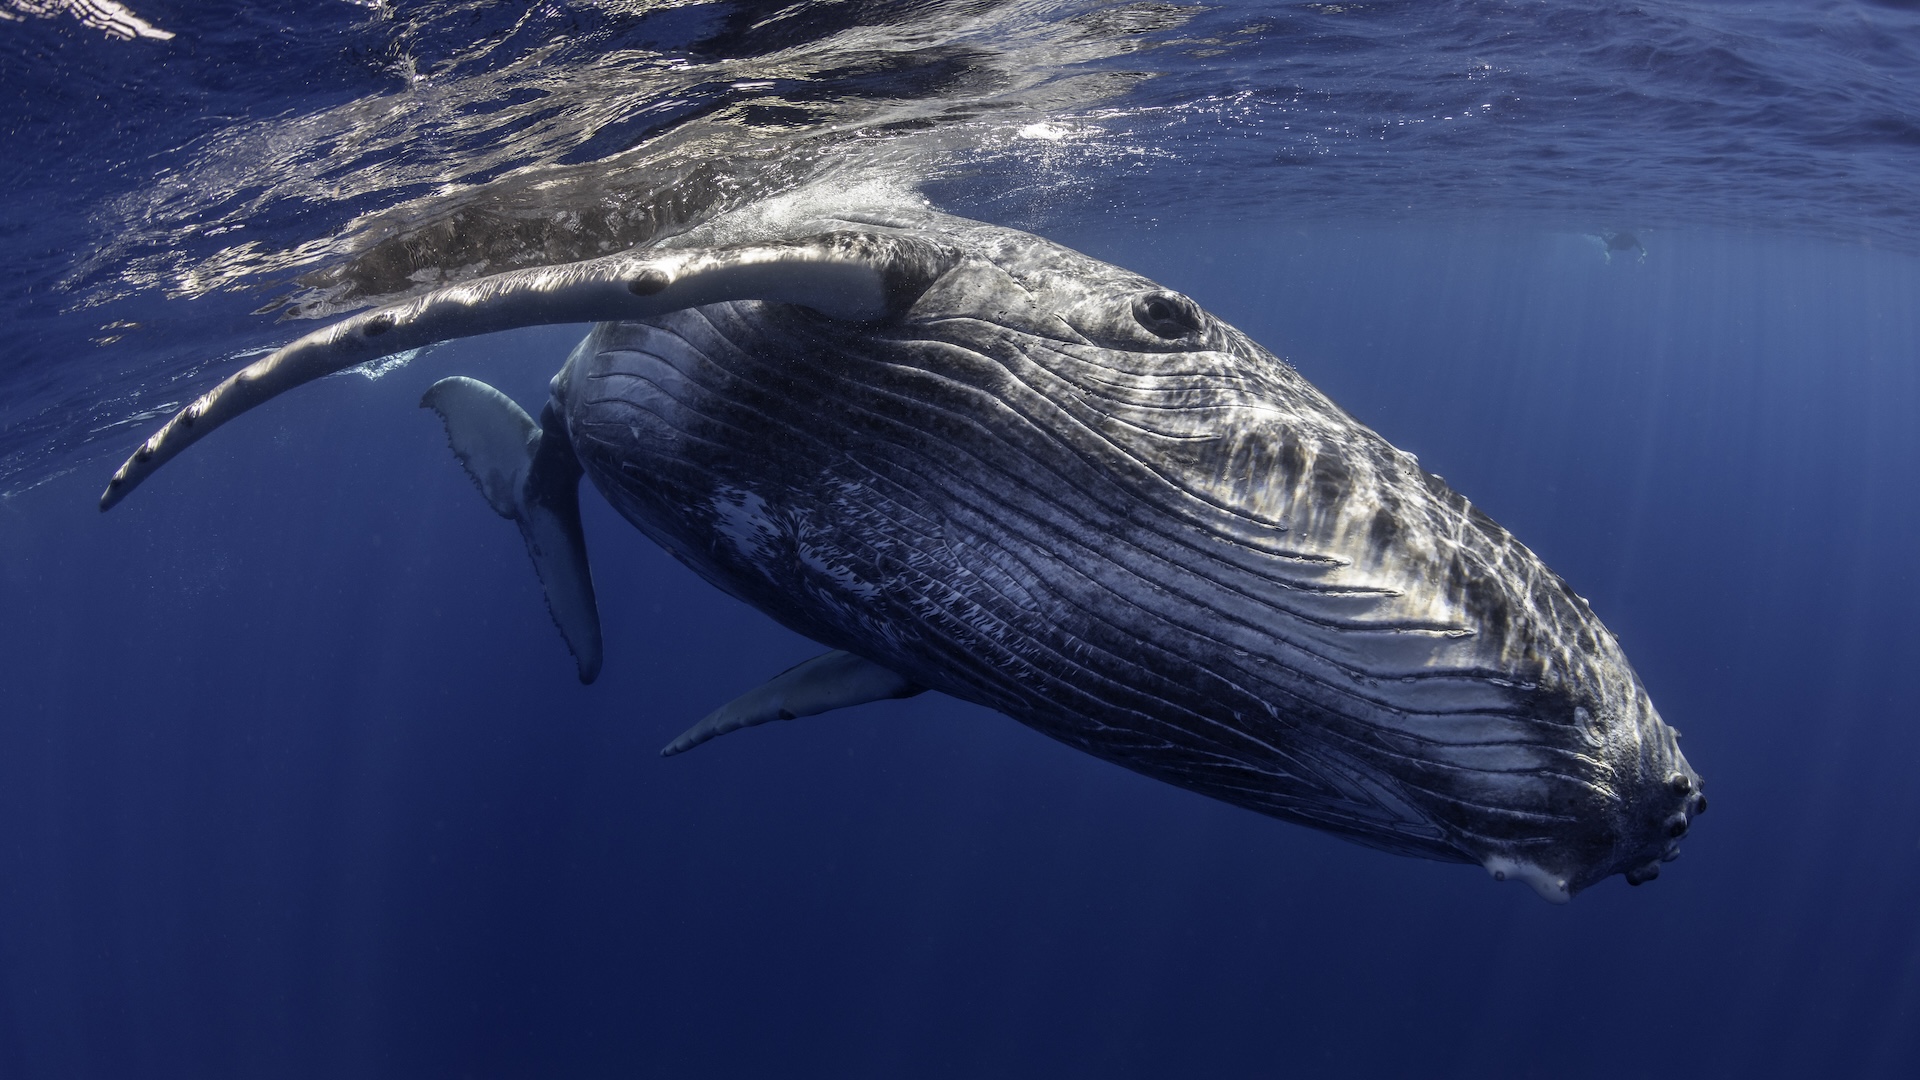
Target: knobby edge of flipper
{"type": "Point", "coordinates": [843, 274]}
{"type": "Point", "coordinates": [529, 475]}
{"type": "Point", "coordinates": [834, 680]}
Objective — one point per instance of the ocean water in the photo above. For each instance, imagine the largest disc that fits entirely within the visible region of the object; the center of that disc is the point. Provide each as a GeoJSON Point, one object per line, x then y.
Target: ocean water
{"type": "Point", "coordinates": [296, 779]}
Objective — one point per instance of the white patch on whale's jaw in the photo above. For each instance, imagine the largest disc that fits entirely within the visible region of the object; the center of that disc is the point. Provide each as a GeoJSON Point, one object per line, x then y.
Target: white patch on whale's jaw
{"type": "Point", "coordinates": [778, 549]}
{"type": "Point", "coordinates": [741, 517]}
{"type": "Point", "coordinates": [1552, 887]}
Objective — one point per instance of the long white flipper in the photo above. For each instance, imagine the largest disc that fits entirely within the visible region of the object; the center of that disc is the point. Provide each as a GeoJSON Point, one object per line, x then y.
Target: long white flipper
{"type": "Point", "coordinates": [845, 275]}
{"type": "Point", "coordinates": [830, 681]}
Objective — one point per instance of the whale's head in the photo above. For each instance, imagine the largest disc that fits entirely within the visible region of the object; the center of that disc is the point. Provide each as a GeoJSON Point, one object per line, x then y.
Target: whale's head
{"type": "Point", "coordinates": [1501, 723]}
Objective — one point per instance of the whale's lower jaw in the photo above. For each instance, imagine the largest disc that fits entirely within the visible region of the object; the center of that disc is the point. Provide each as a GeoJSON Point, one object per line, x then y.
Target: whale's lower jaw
{"type": "Point", "coordinates": [853, 493]}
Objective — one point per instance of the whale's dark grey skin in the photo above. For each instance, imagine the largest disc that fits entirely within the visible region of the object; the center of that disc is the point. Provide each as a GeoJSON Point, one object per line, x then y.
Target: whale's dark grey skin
{"type": "Point", "coordinates": [973, 461]}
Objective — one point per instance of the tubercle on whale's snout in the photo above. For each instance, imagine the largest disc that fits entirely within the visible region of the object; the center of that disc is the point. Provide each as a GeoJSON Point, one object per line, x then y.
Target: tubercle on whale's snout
{"type": "Point", "coordinates": [1648, 841]}
{"type": "Point", "coordinates": [1684, 785]}
{"type": "Point", "coordinates": [1655, 795]}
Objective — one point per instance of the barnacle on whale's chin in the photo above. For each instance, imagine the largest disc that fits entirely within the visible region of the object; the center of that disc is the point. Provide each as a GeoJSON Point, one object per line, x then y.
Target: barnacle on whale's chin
{"type": "Point", "coordinates": [1553, 887]}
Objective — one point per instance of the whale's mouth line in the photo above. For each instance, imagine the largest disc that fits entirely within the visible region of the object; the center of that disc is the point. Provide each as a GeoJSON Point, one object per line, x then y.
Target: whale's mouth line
{"type": "Point", "coordinates": [1063, 345]}
{"type": "Point", "coordinates": [1119, 450]}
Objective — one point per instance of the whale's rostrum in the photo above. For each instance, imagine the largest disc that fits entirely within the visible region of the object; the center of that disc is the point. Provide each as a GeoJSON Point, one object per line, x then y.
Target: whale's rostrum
{"type": "Point", "coordinates": [965, 459]}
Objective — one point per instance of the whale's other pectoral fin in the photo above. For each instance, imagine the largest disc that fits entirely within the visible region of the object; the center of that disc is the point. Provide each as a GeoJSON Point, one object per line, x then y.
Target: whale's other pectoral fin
{"type": "Point", "coordinates": [830, 681]}
{"type": "Point", "coordinates": [529, 475]}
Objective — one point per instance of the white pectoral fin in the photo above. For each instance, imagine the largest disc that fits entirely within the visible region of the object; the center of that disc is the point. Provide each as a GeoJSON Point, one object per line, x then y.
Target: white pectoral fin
{"type": "Point", "coordinates": [843, 275]}
{"type": "Point", "coordinates": [827, 682]}
{"type": "Point", "coordinates": [559, 550]}
{"type": "Point", "coordinates": [528, 475]}
{"type": "Point", "coordinates": [493, 437]}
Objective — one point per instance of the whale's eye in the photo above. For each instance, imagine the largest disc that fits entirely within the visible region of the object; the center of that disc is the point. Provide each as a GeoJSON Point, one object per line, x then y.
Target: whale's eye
{"type": "Point", "coordinates": [1166, 315]}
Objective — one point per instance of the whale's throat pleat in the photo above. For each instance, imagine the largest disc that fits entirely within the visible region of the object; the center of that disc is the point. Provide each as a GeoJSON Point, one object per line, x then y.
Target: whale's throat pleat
{"type": "Point", "coordinates": [971, 515]}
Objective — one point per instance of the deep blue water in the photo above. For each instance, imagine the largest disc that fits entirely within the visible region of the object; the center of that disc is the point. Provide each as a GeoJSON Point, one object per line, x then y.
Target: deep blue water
{"type": "Point", "coordinates": [296, 778]}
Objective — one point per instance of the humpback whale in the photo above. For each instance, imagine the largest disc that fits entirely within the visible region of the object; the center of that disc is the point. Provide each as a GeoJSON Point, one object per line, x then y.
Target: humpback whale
{"type": "Point", "coordinates": [968, 460]}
